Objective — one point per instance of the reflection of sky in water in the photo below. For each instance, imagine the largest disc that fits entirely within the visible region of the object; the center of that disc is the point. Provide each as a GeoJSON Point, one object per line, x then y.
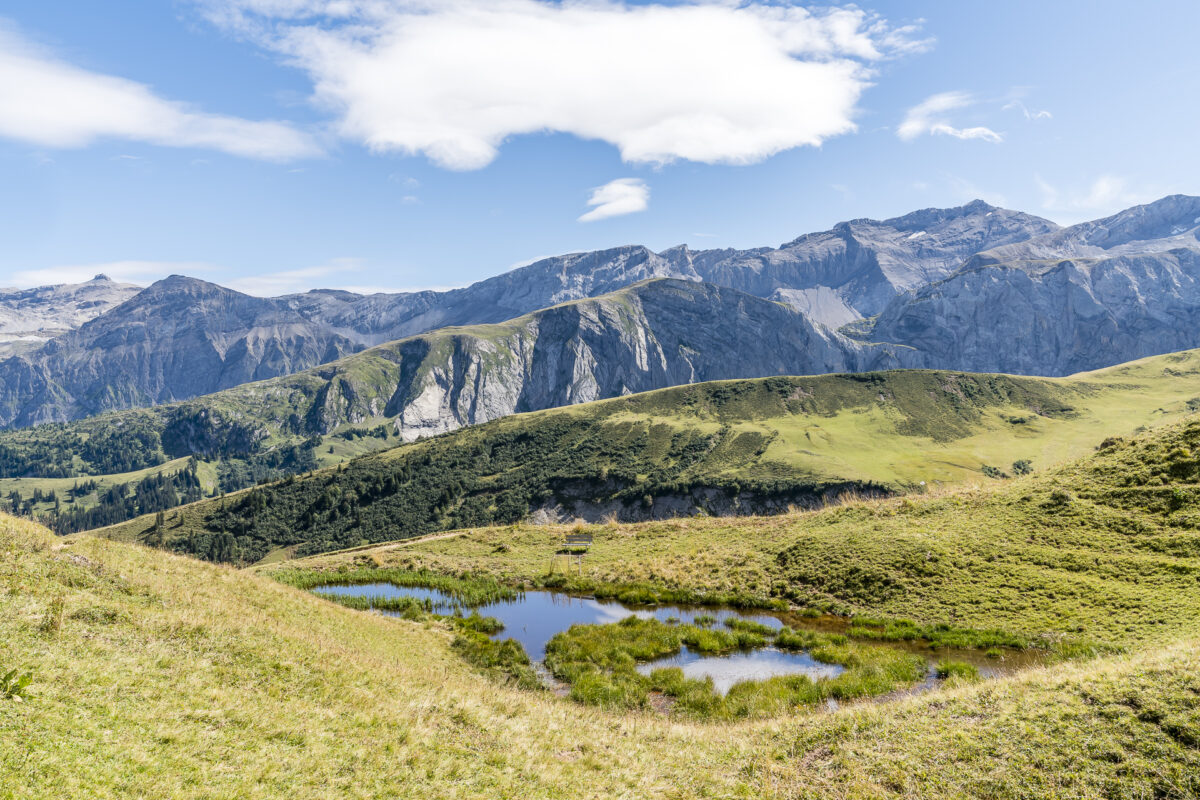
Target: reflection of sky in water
{"type": "Point", "coordinates": [537, 616]}
{"type": "Point", "coordinates": [755, 665]}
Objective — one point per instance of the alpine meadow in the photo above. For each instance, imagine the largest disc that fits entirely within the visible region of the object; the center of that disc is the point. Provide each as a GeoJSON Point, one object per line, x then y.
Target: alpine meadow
{"type": "Point", "coordinates": [631, 399]}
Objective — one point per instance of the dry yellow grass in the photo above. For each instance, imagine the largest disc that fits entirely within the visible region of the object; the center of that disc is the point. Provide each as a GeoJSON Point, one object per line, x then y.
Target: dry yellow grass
{"type": "Point", "coordinates": [171, 678]}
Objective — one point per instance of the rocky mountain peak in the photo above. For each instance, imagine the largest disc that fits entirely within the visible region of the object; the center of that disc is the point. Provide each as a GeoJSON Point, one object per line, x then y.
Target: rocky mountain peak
{"type": "Point", "coordinates": [1166, 224]}
{"type": "Point", "coordinates": [1166, 218]}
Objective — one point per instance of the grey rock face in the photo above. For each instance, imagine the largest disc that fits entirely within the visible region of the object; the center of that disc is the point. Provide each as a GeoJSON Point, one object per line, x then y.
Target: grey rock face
{"type": "Point", "coordinates": [868, 262]}
{"type": "Point", "coordinates": [652, 335]}
{"type": "Point", "coordinates": [1167, 224]}
{"type": "Point", "coordinates": [30, 317]}
{"type": "Point", "coordinates": [648, 336]}
{"type": "Point", "coordinates": [1086, 297]}
{"type": "Point", "coordinates": [179, 338]}
{"type": "Point", "coordinates": [843, 274]}
{"type": "Point", "coordinates": [182, 338]}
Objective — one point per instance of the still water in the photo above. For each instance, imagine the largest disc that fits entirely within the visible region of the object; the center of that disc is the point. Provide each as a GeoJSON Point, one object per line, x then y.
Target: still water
{"type": "Point", "coordinates": [536, 616]}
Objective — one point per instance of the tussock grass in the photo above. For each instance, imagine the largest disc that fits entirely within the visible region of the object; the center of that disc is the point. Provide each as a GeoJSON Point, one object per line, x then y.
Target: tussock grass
{"type": "Point", "coordinates": [217, 683]}
{"type": "Point", "coordinates": [957, 670]}
{"type": "Point", "coordinates": [600, 662]}
{"type": "Point", "coordinates": [468, 590]}
{"type": "Point", "coordinates": [1115, 565]}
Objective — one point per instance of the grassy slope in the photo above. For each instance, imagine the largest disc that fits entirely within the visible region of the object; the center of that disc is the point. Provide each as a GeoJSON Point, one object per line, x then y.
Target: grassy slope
{"type": "Point", "coordinates": [26, 486]}
{"type": "Point", "coordinates": [897, 428]}
{"type": "Point", "coordinates": [173, 678]}
{"type": "Point", "coordinates": [1114, 561]}
{"type": "Point", "coordinates": [902, 430]}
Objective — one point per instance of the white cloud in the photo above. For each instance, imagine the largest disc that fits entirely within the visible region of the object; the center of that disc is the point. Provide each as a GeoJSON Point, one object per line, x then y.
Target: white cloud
{"type": "Point", "coordinates": [406, 182]}
{"type": "Point", "coordinates": [714, 82]}
{"type": "Point", "coordinates": [139, 272]}
{"type": "Point", "coordinates": [929, 117]}
{"type": "Point", "coordinates": [143, 273]}
{"type": "Point", "coordinates": [1029, 114]}
{"type": "Point", "coordinates": [615, 198]}
{"type": "Point", "coordinates": [50, 103]}
{"type": "Point", "coordinates": [1107, 194]}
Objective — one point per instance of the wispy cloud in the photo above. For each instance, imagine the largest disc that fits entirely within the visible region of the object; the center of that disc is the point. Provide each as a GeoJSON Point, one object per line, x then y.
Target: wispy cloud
{"type": "Point", "coordinates": [967, 190]}
{"type": "Point", "coordinates": [49, 103]}
{"type": "Point", "coordinates": [616, 198]}
{"type": "Point", "coordinates": [930, 117]}
{"type": "Point", "coordinates": [1025, 110]}
{"type": "Point", "coordinates": [1106, 194]}
{"type": "Point", "coordinates": [713, 82]}
{"type": "Point", "coordinates": [133, 271]}
{"type": "Point", "coordinates": [332, 274]}
{"type": "Point", "coordinates": [289, 281]}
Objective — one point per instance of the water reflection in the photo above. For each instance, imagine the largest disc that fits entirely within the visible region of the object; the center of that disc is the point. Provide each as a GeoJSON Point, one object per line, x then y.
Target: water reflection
{"type": "Point", "coordinates": [754, 665]}
{"type": "Point", "coordinates": [536, 616]}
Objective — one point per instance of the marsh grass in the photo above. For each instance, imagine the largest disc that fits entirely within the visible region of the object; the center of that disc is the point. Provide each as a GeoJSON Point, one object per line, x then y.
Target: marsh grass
{"type": "Point", "coordinates": [958, 670]}
{"type": "Point", "coordinates": [505, 660]}
{"type": "Point", "coordinates": [211, 682]}
{"type": "Point", "coordinates": [936, 635]}
{"type": "Point", "coordinates": [470, 591]}
{"type": "Point", "coordinates": [407, 607]}
{"type": "Point", "coordinates": [600, 663]}
{"type": "Point", "coordinates": [749, 626]}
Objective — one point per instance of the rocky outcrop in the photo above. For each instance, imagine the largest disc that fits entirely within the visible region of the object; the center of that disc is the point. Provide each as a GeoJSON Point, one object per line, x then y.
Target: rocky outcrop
{"type": "Point", "coordinates": [177, 339]}
{"type": "Point", "coordinates": [601, 502]}
{"type": "Point", "coordinates": [31, 317]}
{"type": "Point", "coordinates": [868, 262]}
{"type": "Point", "coordinates": [652, 335]}
{"type": "Point", "coordinates": [183, 338]}
{"type": "Point", "coordinates": [1089, 296]}
{"type": "Point", "coordinates": [1167, 224]}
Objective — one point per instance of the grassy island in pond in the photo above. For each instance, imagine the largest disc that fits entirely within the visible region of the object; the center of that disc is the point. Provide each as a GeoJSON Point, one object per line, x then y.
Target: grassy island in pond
{"type": "Point", "coordinates": [600, 663]}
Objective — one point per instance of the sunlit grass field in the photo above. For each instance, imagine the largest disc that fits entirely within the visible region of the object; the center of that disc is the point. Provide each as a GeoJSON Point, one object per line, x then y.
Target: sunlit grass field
{"type": "Point", "coordinates": [907, 431]}
{"type": "Point", "coordinates": [159, 676]}
{"type": "Point", "coordinates": [1101, 552]}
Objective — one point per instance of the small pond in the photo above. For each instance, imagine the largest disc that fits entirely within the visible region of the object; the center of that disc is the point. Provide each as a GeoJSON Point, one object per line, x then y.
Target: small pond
{"type": "Point", "coordinates": [751, 665]}
{"type": "Point", "coordinates": [536, 616]}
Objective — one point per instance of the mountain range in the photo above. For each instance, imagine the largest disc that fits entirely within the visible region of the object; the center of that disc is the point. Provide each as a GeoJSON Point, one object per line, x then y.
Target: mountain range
{"type": "Point", "coordinates": [971, 288]}
{"type": "Point", "coordinates": [31, 317]}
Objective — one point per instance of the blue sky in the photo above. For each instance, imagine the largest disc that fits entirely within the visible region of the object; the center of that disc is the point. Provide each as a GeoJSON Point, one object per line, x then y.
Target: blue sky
{"type": "Point", "coordinates": [279, 145]}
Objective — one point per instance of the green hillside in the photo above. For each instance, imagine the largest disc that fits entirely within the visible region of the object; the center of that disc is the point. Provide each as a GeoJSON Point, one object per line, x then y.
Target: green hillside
{"type": "Point", "coordinates": [716, 448]}
{"type": "Point", "coordinates": [1103, 552]}
{"type": "Point", "coordinates": [155, 675]}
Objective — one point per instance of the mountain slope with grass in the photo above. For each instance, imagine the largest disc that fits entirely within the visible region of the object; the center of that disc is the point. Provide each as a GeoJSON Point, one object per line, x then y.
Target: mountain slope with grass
{"type": "Point", "coordinates": [720, 448]}
{"type": "Point", "coordinates": [1098, 553]}
{"type": "Point", "coordinates": [647, 336]}
{"type": "Point", "coordinates": [182, 337]}
{"type": "Point", "coordinates": [247, 687]}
